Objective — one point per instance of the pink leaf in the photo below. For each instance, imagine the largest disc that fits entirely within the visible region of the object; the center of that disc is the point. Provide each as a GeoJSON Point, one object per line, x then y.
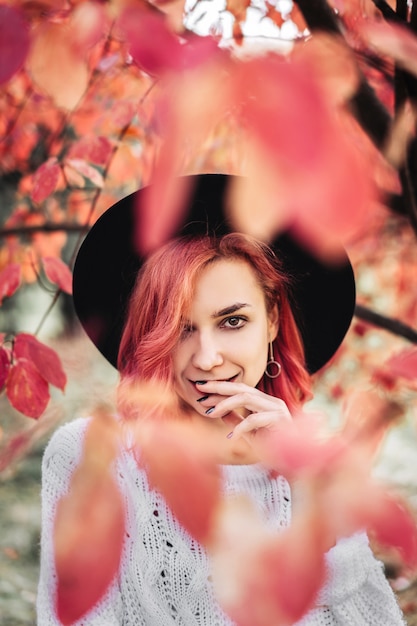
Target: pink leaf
{"type": "Point", "coordinates": [26, 389]}
{"type": "Point", "coordinates": [45, 180]}
{"type": "Point", "coordinates": [190, 485]}
{"type": "Point", "coordinates": [92, 148]}
{"type": "Point", "coordinates": [10, 279]}
{"type": "Point", "coordinates": [14, 41]}
{"type": "Point", "coordinates": [4, 365]}
{"type": "Point", "coordinates": [42, 357]}
{"type": "Point", "coordinates": [89, 527]}
{"type": "Point", "coordinates": [88, 171]}
{"type": "Point", "coordinates": [58, 273]}
{"type": "Point", "coordinates": [403, 364]}
{"type": "Point", "coordinates": [152, 44]}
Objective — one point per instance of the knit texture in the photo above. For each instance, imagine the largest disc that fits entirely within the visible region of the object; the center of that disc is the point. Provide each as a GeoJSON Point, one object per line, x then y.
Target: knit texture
{"type": "Point", "coordinates": [164, 576]}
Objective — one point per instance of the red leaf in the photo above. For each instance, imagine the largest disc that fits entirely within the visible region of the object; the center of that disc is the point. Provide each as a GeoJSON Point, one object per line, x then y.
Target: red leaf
{"type": "Point", "coordinates": [45, 180]}
{"type": "Point", "coordinates": [89, 528]}
{"type": "Point", "coordinates": [152, 44]}
{"type": "Point", "coordinates": [14, 41]}
{"type": "Point", "coordinates": [189, 484]}
{"type": "Point", "coordinates": [4, 365]}
{"type": "Point", "coordinates": [10, 279]}
{"type": "Point", "coordinates": [404, 364]}
{"type": "Point", "coordinates": [42, 357]}
{"type": "Point", "coordinates": [26, 389]}
{"type": "Point", "coordinates": [394, 526]}
{"type": "Point", "coordinates": [58, 273]}
{"type": "Point", "coordinates": [92, 148]}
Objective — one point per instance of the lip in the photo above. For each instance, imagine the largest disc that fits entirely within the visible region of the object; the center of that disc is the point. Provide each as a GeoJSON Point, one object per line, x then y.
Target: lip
{"type": "Point", "coordinates": [202, 392]}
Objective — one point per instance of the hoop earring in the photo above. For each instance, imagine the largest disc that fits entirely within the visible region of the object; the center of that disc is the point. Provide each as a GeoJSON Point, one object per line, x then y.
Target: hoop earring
{"type": "Point", "coordinates": [273, 368]}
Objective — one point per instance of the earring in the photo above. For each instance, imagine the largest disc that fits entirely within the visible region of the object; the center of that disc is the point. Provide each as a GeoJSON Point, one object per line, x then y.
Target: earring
{"type": "Point", "coordinates": [273, 368]}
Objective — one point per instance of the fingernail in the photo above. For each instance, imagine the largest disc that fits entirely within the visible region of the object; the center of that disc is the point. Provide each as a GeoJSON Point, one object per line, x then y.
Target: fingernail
{"type": "Point", "coordinates": [202, 398]}
{"type": "Point", "coordinates": [200, 382]}
{"type": "Point", "coordinates": [230, 435]}
{"type": "Point", "coordinates": [210, 410]}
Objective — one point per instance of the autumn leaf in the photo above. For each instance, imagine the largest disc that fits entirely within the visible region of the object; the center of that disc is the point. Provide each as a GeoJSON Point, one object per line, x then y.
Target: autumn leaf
{"type": "Point", "coordinates": [89, 526]}
{"type": "Point", "coordinates": [58, 273]}
{"type": "Point", "coordinates": [403, 364]}
{"type": "Point", "coordinates": [189, 482]}
{"type": "Point", "coordinates": [45, 180]}
{"type": "Point", "coordinates": [88, 171]}
{"type": "Point", "coordinates": [14, 41]}
{"type": "Point", "coordinates": [154, 47]}
{"type": "Point", "coordinates": [46, 360]}
{"type": "Point", "coordinates": [95, 149]}
{"type": "Point", "coordinates": [4, 365]}
{"type": "Point", "coordinates": [26, 389]}
{"type": "Point", "coordinates": [10, 279]}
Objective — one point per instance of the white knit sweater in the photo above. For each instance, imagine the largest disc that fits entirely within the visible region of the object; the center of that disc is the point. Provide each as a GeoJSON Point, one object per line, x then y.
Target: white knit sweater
{"type": "Point", "coordinates": [164, 576]}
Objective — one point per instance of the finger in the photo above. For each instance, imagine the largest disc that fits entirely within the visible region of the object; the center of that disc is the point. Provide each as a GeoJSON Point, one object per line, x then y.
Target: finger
{"type": "Point", "coordinates": [225, 388]}
{"type": "Point", "coordinates": [256, 422]}
{"type": "Point", "coordinates": [253, 403]}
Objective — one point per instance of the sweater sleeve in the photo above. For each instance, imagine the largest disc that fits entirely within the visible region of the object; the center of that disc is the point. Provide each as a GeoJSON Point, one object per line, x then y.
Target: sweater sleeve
{"type": "Point", "coordinates": [356, 590]}
{"type": "Point", "coordinates": [61, 457]}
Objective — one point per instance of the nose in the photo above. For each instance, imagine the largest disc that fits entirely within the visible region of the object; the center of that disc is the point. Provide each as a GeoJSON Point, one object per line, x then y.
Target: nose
{"type": "Point", "coordinates": [207, 353]}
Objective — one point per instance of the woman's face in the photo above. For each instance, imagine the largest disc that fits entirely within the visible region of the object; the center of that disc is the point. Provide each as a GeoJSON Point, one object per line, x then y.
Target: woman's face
{"type": "Point", "coordinates": [227, 332]}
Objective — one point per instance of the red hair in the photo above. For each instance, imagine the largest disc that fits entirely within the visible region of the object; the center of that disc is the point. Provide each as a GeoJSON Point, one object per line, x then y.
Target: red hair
{"type": "Point", "coordinates": [163, 294]}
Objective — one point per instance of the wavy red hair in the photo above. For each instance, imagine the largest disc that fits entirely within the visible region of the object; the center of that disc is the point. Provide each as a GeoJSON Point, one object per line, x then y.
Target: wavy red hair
{"type": "Point", "coordinates": [163, 293]}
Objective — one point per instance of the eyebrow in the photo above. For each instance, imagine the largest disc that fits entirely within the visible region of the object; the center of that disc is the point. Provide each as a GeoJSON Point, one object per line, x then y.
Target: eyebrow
{"type": "Point", "coordinates": [230, 309]}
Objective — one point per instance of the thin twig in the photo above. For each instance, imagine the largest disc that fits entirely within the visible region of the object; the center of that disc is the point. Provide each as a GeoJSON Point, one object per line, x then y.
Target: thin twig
{"type": "Point", "coordinates": [394, 326]}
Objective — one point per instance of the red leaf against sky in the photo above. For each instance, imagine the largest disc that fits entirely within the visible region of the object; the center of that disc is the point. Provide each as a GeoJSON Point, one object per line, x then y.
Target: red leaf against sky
{"type": "Point", "coordinates": [10, 278]}
{"type": "Point", "coordinates": [26, 389]}
{"type": "Point", "coordinates": [4, 365]}
{"type": "Point", "coordinates": [14, 41]}
{"type": "Point", "coordinates": [45, 180]}
{"type": "Point", "coordinates": [89, 526]}
{"type": "Point", "coordinates": [58, 273]}
{"type": "Point", "coordinates": [189, 483]}
{"type": "Point", "coordinates": [42, 357]}
{"type": "Point", "coordinates": [154, 47]}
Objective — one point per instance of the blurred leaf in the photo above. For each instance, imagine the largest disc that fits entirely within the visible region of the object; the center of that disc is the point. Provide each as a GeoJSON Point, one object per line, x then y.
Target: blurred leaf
{"type": "Point", "coordinates": [89, 526]}
{"type": "Point", "coordinates": [58, 273]}
{"type": "Point", "coordinates": [26, 389]}
{"type": "Point", "coordinates": [14, 41]}
{"type": "Point", "coordinates": [403, 364]}
{"type": "Point", "coordinates": [4, 365]}
{"type": "Point", "coordinates": [95, 149]}
{"type": "Point", "coordinates": [45, 180]}
{"type": "Point", "coordinates": [88, 171]}
{"type": "Point", "coordinates": [10, 279]}
{"type": "Point", "coordinates": [42, 357]}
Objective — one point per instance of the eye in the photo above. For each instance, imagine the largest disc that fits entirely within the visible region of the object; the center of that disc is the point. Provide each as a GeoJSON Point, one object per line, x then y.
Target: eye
{"type": "Point", "coordinates": [234, 322]}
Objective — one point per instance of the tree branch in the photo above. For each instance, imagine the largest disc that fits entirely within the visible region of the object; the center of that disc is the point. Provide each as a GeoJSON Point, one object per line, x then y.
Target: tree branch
{"type": "Point", "coordinates": [48, 227]}
{"type": "Point", "coordinates": [394, 326]}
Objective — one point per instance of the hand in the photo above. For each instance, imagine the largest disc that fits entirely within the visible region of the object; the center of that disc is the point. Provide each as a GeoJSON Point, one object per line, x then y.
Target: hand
{"type": "Point", "coordinates": [265, 412]}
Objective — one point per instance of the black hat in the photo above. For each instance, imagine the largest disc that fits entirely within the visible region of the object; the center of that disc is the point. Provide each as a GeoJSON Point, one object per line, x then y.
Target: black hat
{"type": "Point", "coordinates": [322, 296]}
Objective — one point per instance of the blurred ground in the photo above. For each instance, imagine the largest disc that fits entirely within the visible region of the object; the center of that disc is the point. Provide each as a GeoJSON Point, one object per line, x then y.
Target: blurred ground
{"type": "Point", "coordinates": [20, 484]}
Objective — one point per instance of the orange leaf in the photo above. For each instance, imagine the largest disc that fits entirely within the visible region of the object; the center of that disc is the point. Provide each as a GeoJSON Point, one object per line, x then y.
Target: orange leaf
{"type": "Point", "coordinates": [14, 41]}
{"type": "Point", "coordinates": [26, 389]}
{"type": "Point", "coordinates": [10, 279]}
{"type": "Point", "coordinates": [89, 527]}
{"type": "Point", "coordinates": [58, 273]}
{"type": "Point", "coordinates": [45, 180]}
{"type": "Point", "coordinates": [189, 483]}
{"type": "Point", "coordinates": [42, 357]}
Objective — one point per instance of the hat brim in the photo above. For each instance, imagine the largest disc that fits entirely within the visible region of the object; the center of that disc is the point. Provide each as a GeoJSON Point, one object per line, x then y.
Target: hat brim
{"type": "Point", "coordinates": [322, 296]}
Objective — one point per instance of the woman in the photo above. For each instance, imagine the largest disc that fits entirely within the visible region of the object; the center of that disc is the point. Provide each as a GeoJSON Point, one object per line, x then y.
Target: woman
{"type": "Point", "coordinates": [234, 329]}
